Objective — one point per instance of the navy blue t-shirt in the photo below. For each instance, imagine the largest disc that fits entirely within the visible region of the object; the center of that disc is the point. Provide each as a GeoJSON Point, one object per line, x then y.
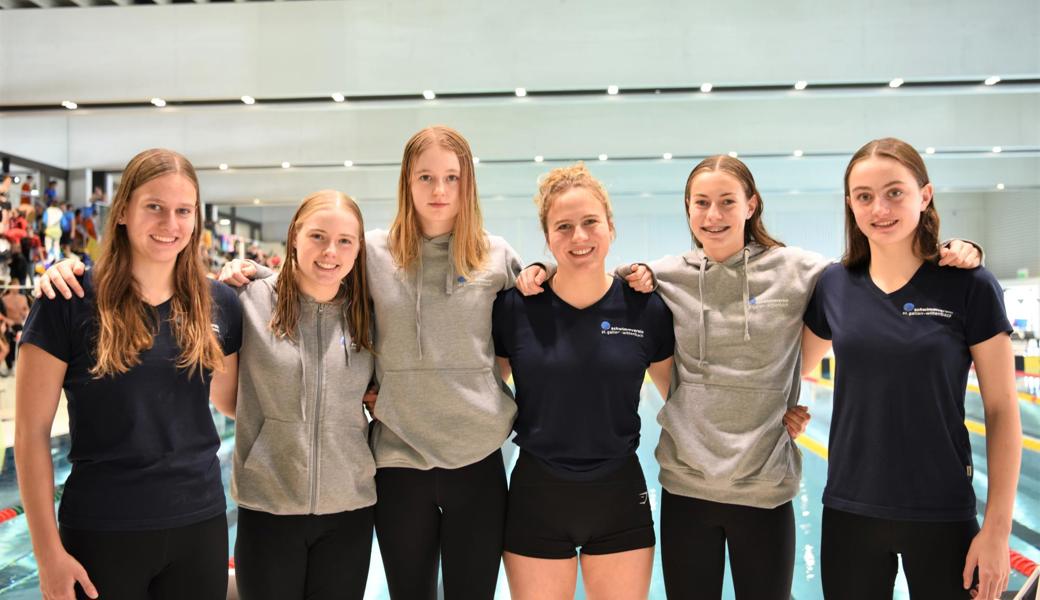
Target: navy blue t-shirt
{"type": "Point", "coordinates": [143, 445]}
{"type": "Point", "coordinates": [578, 373]}
{"type": "Point", "coordinates": [898, 445]}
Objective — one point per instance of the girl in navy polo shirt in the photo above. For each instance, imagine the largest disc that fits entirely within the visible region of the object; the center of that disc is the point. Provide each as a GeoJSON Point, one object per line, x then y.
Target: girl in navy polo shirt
{"type": "Point", "coordinates": [142, 515]}
{"type": "Point", "coordinates": [579, 353]}
{"type": "Point", "coordinates": [905, 332]}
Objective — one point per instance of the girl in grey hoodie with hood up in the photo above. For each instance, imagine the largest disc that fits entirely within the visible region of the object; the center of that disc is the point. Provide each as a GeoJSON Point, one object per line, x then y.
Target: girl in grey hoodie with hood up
{"type": "Point", "coordinates": [729, 465]}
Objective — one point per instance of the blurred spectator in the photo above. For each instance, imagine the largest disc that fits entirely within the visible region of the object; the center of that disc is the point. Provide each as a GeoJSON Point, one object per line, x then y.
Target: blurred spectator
{"type": "Point", "coordinates": [14, 309]}
{"type": "Point", "coordinates": [51, 193]}
{"type": "Point", "coordinates": [25, 205]}
{"type": "Point", "coordinates": [52, 232]}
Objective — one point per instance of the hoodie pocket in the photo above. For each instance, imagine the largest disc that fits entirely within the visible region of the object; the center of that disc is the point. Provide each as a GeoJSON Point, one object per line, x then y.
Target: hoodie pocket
{"type": "Point", "coordinates": [276, 470]}
{"type": "Point", "coordinates": [727, 433]}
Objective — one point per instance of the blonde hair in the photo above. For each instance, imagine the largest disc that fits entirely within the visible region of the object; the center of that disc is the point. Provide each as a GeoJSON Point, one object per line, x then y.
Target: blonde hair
{"type": "Point", "coordinates": [470, 248]}
{"type": "Point", "coordinates": [126, 323]}
{"type": "Point", "coordinates": [563, 179]}
{"type": "Point", "coordinates": [357, 313]}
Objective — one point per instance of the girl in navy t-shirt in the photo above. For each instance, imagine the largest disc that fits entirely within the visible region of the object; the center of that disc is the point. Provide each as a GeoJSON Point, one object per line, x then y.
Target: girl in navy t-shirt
{"type": "Point", "coordinates": [905, 332]}
{"type": "Point", "coordinates": [138, 355]}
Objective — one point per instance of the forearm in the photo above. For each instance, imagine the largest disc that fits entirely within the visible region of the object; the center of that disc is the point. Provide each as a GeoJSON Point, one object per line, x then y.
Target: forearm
{"type": "Point", "coordinates": [1003, 459]}
{"type": "Point", "coordinates": [36, 484]}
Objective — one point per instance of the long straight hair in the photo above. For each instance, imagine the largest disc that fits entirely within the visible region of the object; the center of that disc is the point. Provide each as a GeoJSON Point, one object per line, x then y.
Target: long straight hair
{"type": "Point", "coordinates": [926, 236]}
{"type": "Point", "coordinates": [754, 228]}
{"type": "Point", "coordinates": [357, 313]}
{"type": "Point", "coordinates": [470, 248]}
{"type": "Point", "coordinates": [126, 323]}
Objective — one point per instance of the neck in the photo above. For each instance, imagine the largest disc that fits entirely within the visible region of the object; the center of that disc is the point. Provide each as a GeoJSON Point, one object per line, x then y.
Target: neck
{"type": "Point", "coordinates": [892, 265]}
{"type": "Point", "coordinates": [436, 229]}
{"type": "Point", "coordinates": [721, 254]}
{"type": "Point", "coordinates": [154, 282]}
{"type": "Point", "coordinates": [581, 288]}
{"type": "Point", "coordinates": [320, 293]}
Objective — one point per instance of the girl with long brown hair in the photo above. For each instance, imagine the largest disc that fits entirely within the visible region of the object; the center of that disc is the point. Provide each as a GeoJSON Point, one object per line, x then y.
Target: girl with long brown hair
{"type": "Point", "coordinates": [729, 465]}
{"type": "Point", "coordinates": [905, 333]}
{"type": "Point", "coordinates": [139, 357]}
{"type": "Point", "coordinates": [303, 475]}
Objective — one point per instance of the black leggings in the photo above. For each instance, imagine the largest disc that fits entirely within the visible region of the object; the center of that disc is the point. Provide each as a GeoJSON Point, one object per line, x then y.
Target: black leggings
{"type": "Point", "coordinates": [161, 564]}
{"type": "Point", "coordinates": [694, 536]}
{"type": "Point", "coordinates": [858, 556]}
{"type": "Point", "coordinates": [290, 557]}
{"type": "Point", "coordinates": [458, 514]}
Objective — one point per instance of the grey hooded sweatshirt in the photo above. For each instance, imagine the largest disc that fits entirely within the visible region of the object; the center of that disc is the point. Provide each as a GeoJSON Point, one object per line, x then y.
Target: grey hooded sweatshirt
{"type": "Point", "coordinates": [441, 401]}
{"type": "Point", "coordinates": [301, 436]}
{"type": "Point", "coordinates": [738, 331]}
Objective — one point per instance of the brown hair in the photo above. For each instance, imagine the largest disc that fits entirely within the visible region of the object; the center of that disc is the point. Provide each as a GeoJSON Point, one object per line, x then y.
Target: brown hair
{"type": "Point", "coordinates": [754, 228]}
{"type": "Point", "coordinates": [357, 313]}
{"type": "Point", "coordinates": [126, 323]}
{"type": "Point", "coordinates": [470, 249]}
{"type": "Point", "coordinates": [563, 179]}
{"type": "Point", "coordinates": [926, 237]}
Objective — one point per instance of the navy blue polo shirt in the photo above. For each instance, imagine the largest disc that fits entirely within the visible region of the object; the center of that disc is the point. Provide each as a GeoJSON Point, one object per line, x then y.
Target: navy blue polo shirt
{"type": "Point", "coordinates": [898, 445]}
{"type": "Point", "coordinates": [578, 373]}
{"type": "Point", "coordinates": [143, 444]}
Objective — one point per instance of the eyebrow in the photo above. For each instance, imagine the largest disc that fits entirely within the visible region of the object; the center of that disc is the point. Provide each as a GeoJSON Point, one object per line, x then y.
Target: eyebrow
{"type": "Point", "coordinates": [558, 221]}
{"type": "Point", "coordinates": [703, 195]}
{"type": "Point", "coordinates": [451, 170]}
{"type": "Point", "coordinates": [314, 229]}
{"type": "Point", "coordinates": [889, 184]}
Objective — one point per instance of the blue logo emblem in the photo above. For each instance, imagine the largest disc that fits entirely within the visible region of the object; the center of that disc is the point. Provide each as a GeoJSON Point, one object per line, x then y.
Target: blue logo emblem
{"type": "Point", "coordinates": [461, 279]}
{"type": "Point", "coordinates": [605, 325]}
{"type": "Point", "coordinates": [909, 306]}
{"type": "Point", "coordinates": [752, 301]}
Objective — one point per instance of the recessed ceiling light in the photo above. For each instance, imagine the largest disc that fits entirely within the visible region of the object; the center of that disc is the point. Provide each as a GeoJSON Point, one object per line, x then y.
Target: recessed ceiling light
{"type": "Point", "coordinates": [895, 83]}
{"type": "Point", "coordinates": [428, 94]}
{"type": "Point", "coordinates": [798, 153]}
{"type": "Point", "coordinates": [159, 102]}
{"type": "Point", "coordinates": [521, 92]}
{"type": "Point", "coordinates": [225, 222]}
{"type": "Point", "coordinates": [69, 104]}
{"type": "Point", "coordinates": [801, 85]}
{"type": "Point", "coordinates": [256, 201]}
{"type": "Point", "coordinates": [929, 150]}
{"type": "Point", "coordinates": [539, 158]}
{"type": "Point", "coordinates": [667, 156]}
{"type": "Point", "coordinates": [223, 166]}
{"type": "Point", "coordinates": [612, 90]}
{"type": "Point", "coordinates": [603, 157]}
{"type": "Point", "coordinates": [248, 100]}
{"type": "Point", "coordinates": [992, 80]}
{"type": "Point", "coordinates": [286, 165]}
{"type": "Point", "coordinates": [706, 87]}
{"type": "Point", "coordinates": [1000, 186]}
{"type": "Point", "coordinates": [338, 97]}
{"type": "Point", "coordinates": [348, 163]}
{"type": "Point", "coordinates": [997, 149]}
{"type": "Point", "coordinates": [732, 154]}
{"type": "Point", "coordinates": [476, 160]}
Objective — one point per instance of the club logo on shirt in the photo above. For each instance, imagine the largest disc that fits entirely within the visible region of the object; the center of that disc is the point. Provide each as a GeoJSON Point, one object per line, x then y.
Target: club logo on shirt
{"type": "Point", "coordinates": [912, 310]}
{"type": "Point", "coordinates": [485, 281]}
{"type": "Point", "coordinates": [778, 302]}
{"type": "Point", "coordinates": [607, 329]}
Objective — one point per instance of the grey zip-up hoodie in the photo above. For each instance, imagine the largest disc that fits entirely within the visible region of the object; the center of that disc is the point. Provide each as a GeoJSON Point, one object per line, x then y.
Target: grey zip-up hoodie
{"type": "Point", "coordinates": [301, 436]}
{"type": "Point", "coordinates": [441, 401]}
{"type": "Point", "coordinates": [738, 328]}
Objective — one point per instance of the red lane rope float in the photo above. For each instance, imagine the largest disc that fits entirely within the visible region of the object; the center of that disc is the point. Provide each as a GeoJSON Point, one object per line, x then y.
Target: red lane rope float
{"type": "Point", "coordinates": [1022, 564]}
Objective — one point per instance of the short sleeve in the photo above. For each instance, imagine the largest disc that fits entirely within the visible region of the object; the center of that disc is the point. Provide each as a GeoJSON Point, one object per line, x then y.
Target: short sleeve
{"type": "Point", "coordinates": [227, 313]}
{"type": "Point", "coordinates": [49, 326]}
{"type": "Point", "coordinates": [985, 315]}
{"type": "Point", "coordinates": [815, 313]}
{"type": "Point", "coordinates": [501, 324]}
{"type": "Point", "coordinates": [664, 331]}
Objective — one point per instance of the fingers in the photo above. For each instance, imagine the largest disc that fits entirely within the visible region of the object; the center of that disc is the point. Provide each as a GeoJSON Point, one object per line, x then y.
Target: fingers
{"type": "Point", "coordinates": [945, 257]}
{"type": "Point", "coordinates": [53, 280]}
{"type": "Point", "coordinates": [969, 568]}
{"type": "Point", "coordinates": [85, 583]}
{"type": "Point", "coordinates": [68, 275]}
{"type": "Point", "coordinates": [640, 279]}
{"type": "Point", "coordinates": [530, 279]}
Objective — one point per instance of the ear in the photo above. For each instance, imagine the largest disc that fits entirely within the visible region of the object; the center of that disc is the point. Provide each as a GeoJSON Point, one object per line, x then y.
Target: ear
{"type": "Point", "coordinates": [752, 206]}
{"type": "Point", "coordinates": [926, 196]}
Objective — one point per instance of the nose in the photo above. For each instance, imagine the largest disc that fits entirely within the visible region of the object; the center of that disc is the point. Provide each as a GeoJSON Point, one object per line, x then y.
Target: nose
{"type": "Point", "coordinates": [713, 212]}
{"type": "Point", "coordinates": [438, 187]}
{"type": "Point", "coordinates": [580, 234]}
{"type": "Point", "coordinates": [329, 249]}
{"type": "Point", "coordinates": [169, 219]}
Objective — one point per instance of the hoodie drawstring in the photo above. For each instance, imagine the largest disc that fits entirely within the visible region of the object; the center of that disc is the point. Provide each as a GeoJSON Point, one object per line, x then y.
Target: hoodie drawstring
{"type": "Point", "coordinates": [418, 306]}
{"type": "Point", "coordinates": [704, 326]}
{"type": "Point", "coordinates": [747, 296]}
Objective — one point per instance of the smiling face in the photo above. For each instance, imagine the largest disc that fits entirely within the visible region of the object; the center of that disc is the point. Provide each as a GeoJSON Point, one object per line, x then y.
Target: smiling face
{"type": "Point", "coordinates": [326, 247]}
{"type": "Point", "coordinates": [718, 212]}
{"type": "Point", "coordinates": [434, 184]}
{"type": "Point", "coordinates": [886, 201]}
{"type": "Point", "coordinates": [579, 232]}
{"type": "Point", "coordinates": [159, 219]}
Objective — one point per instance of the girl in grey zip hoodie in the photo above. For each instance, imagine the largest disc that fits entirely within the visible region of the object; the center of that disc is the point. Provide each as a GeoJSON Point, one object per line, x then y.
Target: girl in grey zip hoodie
{"type": "Point", "coordinates": [302, 472]}
{"type": "Point", "coordinates": [729, 467]}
